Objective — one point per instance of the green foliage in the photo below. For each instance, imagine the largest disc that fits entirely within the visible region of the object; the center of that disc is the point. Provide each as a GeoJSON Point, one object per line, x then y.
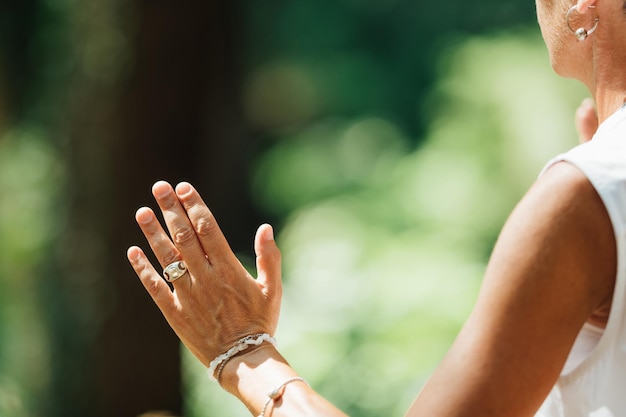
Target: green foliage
{"type": "Point", "coordinates": [384, 247]}
{"type": "Point", "coordinates": [29, 178]}
{"type": "Point", "coordinates": [350, 58]}
{"type": "Point", "coordinates": [391, 192]}
{"type": "Point", "coordinates": [330, 158]}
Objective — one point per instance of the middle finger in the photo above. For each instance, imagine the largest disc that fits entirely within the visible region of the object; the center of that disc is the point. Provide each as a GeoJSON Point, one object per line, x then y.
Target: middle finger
{"type": "Point", "coordinates": [181, 231]}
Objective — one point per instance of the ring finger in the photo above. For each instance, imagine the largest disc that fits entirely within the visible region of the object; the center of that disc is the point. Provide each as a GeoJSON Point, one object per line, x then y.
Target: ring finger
{"type": "Point", "coordinates": [165, 251]}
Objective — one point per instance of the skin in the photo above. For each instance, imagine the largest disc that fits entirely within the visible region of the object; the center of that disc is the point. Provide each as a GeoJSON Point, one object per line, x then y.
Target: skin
{"type": "Point", "coordinates": [552, 269]}
{"type": "Point", "coordinates": [217, 302]}
{"type": "Point", "coordinates": [586, 120]}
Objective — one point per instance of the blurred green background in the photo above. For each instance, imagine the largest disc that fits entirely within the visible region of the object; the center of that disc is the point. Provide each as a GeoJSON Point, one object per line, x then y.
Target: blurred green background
{"type": "Point", "coordinates": [386, 140]}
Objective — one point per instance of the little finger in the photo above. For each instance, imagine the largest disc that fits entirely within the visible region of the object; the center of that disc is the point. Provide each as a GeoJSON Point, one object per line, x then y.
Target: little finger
{"type": "Point", "coordinates": [151, 280]}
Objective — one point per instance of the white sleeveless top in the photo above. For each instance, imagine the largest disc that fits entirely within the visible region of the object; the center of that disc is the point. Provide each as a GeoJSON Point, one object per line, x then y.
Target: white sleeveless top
{"type": "Point", "coordinates": [593, 381]}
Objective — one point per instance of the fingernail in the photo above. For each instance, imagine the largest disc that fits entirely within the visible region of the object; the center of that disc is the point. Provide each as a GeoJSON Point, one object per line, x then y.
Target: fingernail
{"type": "Point", "coordinates": [143, 215]}
{"type": "Point", "coordinates": [161, 189]}
{"type": "Point", "coordinates": [269, 235]}
{"type": "Point", "coordinates": [183, 189]}
{"type": "Point", "coordinates": [133, 253]}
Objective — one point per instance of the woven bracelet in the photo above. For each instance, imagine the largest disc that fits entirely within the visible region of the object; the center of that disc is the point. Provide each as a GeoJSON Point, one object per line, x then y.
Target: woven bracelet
{"type": "Point", "coordinates": [277, 393]}
{"type": "Point", "coordinates": [241, 345]}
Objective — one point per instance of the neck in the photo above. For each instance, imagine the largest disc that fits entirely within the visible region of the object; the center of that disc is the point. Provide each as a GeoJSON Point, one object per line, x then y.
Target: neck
{"type": "Point", "coordinates": [607, 102]}
{"type": "Point", "coordinates": [606, 80]}
{"type": "Point", "coordinates": [608, 89]}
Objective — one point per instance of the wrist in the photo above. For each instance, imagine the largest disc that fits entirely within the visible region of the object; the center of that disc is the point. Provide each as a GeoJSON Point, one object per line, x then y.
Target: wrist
{"type": "Point", "coordinates": [244, 344]}
{"type": "Point", "coordinates": [251, 375]}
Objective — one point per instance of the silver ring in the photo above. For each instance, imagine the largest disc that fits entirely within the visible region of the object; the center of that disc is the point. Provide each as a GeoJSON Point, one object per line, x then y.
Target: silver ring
{"type": "Point", "coordinates": [174, 271]}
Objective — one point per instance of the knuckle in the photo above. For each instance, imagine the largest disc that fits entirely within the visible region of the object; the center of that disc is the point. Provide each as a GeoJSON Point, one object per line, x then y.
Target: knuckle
{"type": "Point", "coordinates": [184, 235]}
{"type": "Point", "coordinates": [153, 288]}
{"type": "Point", "coordinates": [206, 226]}
{"type": "Point", "coordinates": [275, 255]}
{"type": "Point", "coordinates": [171, 256]}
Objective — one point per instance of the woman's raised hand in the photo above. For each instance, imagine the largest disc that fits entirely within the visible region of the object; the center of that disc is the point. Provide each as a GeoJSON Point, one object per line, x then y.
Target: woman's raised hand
{"type": "Point", "coordinates": [216, 301]}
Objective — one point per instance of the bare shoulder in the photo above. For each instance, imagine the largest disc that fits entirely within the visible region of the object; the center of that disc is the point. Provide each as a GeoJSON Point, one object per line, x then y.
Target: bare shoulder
{"type": "Point", "coordinates": [561, 230]}
{"type": "Point", "coordinates": [553, 266]}
{"type": "Point", "coordinates": [589, 221]}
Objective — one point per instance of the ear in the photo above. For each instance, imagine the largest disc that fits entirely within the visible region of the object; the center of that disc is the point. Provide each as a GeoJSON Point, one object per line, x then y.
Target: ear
{"type": "Point", "coordinates": [582, 6]}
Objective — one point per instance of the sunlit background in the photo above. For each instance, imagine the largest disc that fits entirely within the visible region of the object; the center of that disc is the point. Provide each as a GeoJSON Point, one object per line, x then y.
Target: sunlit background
{"type": "Point", "coordinates": [386, 140]}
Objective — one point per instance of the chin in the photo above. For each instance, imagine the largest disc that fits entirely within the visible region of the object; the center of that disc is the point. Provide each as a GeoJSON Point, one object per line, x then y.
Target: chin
{"type": "Point", "coordinates": [558, 66]}
{"type": "Point", "coordinates": [554, 64]}
{"type": "Point", "coordinates": [558, 70]}
{"type": "Point", "coordinates": [563, 71]}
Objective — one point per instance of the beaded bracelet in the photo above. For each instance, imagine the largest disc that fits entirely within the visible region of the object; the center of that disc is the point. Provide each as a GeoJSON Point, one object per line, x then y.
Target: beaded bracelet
{"type": "Point", "coordinates": [278, 392]}
{"type": "Point", "coordinates": [241, 345]}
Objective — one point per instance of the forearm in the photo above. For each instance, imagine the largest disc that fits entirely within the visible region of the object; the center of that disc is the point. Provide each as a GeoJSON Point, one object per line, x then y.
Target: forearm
{"type": "Point", "coordinates": [251, 376]}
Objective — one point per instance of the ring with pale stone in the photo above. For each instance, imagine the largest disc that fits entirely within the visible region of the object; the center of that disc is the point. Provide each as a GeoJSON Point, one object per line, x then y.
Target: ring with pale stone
{"type": "Point", "coordinates": [174, 271]}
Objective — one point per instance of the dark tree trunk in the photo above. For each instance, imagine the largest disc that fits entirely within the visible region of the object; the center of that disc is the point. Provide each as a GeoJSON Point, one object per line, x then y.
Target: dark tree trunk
{"type": "Point", "coordinates": [174, 117]}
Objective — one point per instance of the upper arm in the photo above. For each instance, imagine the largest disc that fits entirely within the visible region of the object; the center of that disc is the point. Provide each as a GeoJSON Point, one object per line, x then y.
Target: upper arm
{"type": "Point", "coordinates": [554, 264]}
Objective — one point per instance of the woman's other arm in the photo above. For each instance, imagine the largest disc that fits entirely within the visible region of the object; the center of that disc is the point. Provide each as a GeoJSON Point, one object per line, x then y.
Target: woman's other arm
{"type": "Point", "coordinates": [553, 266]}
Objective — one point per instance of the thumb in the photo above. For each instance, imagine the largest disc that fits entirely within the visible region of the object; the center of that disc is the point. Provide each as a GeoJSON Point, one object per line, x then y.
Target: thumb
{"type": "Point", "coordinates": [268, 260]}
{"type": "Point", "coordinates": [586, 120]}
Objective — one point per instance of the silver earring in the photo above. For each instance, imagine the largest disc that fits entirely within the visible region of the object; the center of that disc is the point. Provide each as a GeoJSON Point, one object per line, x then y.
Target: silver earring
{"type": "Point", "coordinates": [581, 33]}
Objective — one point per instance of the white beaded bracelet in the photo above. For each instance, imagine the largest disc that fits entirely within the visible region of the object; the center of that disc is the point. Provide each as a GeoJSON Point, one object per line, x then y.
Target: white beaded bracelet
{"type": "Point", "coordinates": [278, 392]}
{"type": "Point", "coordinates": [241, 345]}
